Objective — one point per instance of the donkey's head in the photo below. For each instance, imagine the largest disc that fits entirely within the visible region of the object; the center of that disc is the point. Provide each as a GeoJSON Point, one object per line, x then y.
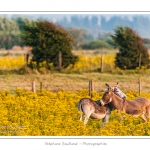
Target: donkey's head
{"type": "Point", "coordinates": [107, 97]}
{"type": "Point", "coordinates": [118, 92]}
{"type": "Point", "coordinates": [115, 87]}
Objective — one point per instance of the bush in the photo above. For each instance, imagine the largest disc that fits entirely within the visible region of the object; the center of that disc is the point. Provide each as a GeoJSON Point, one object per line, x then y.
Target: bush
{"type": "Point", "coordinates": [96, 44]}
{"type": "Point", "coordinates": [47, 40]}
{"type": "Point", "coordinates": [132, 51]}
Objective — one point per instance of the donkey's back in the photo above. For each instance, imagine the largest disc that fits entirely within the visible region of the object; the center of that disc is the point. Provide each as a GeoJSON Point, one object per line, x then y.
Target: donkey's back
{"type": "Point", "coordinates": [138, 106]}
{"type": "Point", "coordinates": [91, 109]}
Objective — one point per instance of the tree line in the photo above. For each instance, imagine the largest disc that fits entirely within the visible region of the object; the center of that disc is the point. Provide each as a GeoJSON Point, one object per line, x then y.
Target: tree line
{"type": "Point", "coordinates": [11, 28]}
{"type": "Point", "coordinates": [83, 38]}
{"type": "Point", "coordinates": [47, 39]}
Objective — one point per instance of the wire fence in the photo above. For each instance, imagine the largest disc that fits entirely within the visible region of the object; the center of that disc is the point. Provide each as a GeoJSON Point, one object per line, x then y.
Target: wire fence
{"type": "Point", "coordinates": [90, 85]}
{"type": "Point", "coordinates": [101, 63]}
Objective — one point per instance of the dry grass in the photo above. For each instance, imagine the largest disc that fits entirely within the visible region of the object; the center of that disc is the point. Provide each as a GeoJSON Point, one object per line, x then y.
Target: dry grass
{"type": "Point", "coordinates": [95, 52]}
{"type": "Point", "coordinates": [74, 82]}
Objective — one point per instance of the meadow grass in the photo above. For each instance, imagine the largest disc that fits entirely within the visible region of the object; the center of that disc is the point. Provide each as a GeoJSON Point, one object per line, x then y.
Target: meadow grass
{"type": "Point", "coordinates": [74, 82]}
{"type": "Point", "coordinates": [74, 77]}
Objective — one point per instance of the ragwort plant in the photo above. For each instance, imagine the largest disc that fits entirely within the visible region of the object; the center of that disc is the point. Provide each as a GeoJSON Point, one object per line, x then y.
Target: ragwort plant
{"type": "Point", "coordinates": [46, 113]}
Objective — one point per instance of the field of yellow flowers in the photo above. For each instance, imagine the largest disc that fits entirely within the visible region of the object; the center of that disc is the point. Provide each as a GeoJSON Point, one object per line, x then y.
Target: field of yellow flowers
{"type": "Point", "coordinates": [85, 62]}
{"type": "Point", "coordinates": [46, 113]}
{"type": "Point", "coordinates": [11, 62]}
{"type": "Point", "coordinates": [93, 62]}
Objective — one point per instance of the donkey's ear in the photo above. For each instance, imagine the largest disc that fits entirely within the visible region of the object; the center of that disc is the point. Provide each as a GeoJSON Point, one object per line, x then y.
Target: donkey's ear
{"type": "Point", "coordinates": [117, 84]}
{"type": "Point", "coordinates": [108, 86]}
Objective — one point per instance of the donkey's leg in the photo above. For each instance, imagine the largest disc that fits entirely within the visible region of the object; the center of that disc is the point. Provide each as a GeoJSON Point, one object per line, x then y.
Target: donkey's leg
{"type": "Point", "coordinates": [87, 115]}
{"type": "Point", "coordinates": [86, 120]}
{"type": "Point", "coordinates": [148, 112]}
{"type": "Point", "coordinates": [143, 116]}
{"type": "Point", "coordinates": [106, 118]}
{"type": "Point", "coordinates": [146, 115]}
{"type": "Point", "coordinates": [108, 111]}
{"type": "Point", "coordinates": [81, 116]}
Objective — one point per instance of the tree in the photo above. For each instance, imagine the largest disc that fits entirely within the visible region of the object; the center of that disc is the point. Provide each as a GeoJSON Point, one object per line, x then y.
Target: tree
{"type": "Point", "coordinates": [96, 44]}
{"type": "Point", "coordinates": [146, 42]}
{"type": "Point", "coordinates": [79, 36]}
{"type": "Point", "coordinates": [103, 35]}
{"type": "Point", "coordinates": [9, 33]}
{"type": "Point", "coordinates": [21, 21]}
{"type": "Point", "coordinates": [131, 49]}
{"type": "Point", "coordinates": [46, 40]}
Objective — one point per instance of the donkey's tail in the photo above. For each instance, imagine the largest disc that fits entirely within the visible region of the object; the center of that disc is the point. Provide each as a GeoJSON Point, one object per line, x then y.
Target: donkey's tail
{"type": "Point", "coordinates": [80, 109]}
{"type": "Point", "coordinates": [79, 106]}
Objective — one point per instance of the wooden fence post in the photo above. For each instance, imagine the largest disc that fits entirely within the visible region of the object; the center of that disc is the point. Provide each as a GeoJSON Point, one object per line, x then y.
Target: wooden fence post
{"type": "Point", "coordinates": [101, 63]}
{"type": "Point", "coordinates": [139, 81]}
{"type": "Point", "coordinates": [140, 61]}
{"type": "Point", "coordinates": [91, 87]}
{"type": "Point", "coordinates": [60, 60]}
{"type": "Point", "coordinates": [41, 86]}
{"type": "Point", "coordinates": [33, 86]}
{"type": "Point", "coordinates": [26, 59]}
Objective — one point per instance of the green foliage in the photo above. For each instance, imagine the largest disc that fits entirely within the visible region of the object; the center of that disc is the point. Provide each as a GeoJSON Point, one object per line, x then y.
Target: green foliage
{"type": "Point", "coordinates": [47, 39]}
{"type": "Point", "coordinates": [131, 49]}
{"type": "Point", "coordinates": [146, 42]}
{"type": "Point", "coordinates": [103, 35]}
{"type": "Point", "coordinates": [21, 21]}
{"type": "Point", "coordinates": [79, 36]}
{"type": "Point", "coordinates": [96, 44]}
{"type": "Point", "coordinates": [9, 33]}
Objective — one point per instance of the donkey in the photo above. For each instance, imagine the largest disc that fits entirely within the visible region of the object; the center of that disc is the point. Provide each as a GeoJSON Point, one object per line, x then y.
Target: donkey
{"type": "Point", "coordinates": [118, 92]}
{"type": "Point", "coordinates": [92, 109]}
{"type": "Point", "coordinates": [138, 107]}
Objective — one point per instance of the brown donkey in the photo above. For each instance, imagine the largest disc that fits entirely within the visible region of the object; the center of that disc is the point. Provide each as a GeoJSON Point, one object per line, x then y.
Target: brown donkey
{"type": "Point", "coordinates": [138, 107]}
{"type": "Point", "coordinates": [91, 109]}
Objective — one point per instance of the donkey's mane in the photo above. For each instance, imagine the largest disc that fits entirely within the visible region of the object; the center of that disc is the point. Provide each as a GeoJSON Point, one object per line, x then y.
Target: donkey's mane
{"type": "Point", "coordinates": [116, 95]}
